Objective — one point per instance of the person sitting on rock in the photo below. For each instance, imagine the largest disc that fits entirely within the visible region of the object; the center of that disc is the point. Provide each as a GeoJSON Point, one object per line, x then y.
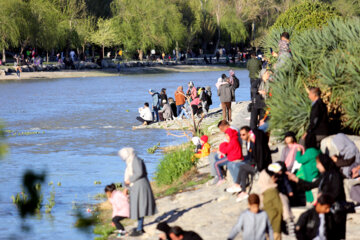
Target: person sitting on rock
{"type": "Point", "coordinates": [343, 152]}
{"type": "Point", "coordinates": [120, 205]}
{"type": "Point", "coordinates": [290, 150]}
{"type": "Point", "coordinates": [205, 148]}
{"type": "Point", "coordinates": [247, 142]}
{"type": "Point", "coordinates": [253, 222]}
{"type": "Point", "coordinates": [166, 111]}
{"type": "Point", "coordinates": [232, 151]}
{"type": "Point", "coordinates": [146, 116]}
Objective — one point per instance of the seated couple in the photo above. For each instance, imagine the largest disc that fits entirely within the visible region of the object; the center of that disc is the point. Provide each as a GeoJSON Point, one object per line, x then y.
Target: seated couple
{"type": "Point", "coordinates": [235, 154]}
{"type": "Point", "coordinates": [146, 116]}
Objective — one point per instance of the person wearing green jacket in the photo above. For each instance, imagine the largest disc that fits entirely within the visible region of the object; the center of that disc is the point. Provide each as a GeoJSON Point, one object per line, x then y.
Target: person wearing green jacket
{"type": "Point", "coordinates": [308, 170]}
{"type": "Point", "coordinates": [254, 67]}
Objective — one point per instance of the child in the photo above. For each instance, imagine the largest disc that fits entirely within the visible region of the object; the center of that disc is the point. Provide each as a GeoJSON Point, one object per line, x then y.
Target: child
{"type": "Point", "coordinates": [253, 222]}
{"type": "Point", "coordinates": [317, 222]}
{"type": "Point", "coordinates": [120, 205]}
{"type": "Point", "coordinates": [205, 148]}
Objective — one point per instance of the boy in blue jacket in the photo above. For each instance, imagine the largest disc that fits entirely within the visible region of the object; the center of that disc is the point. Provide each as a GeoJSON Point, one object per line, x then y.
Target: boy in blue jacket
{"type": "Point", "coordinates": [253, 222]}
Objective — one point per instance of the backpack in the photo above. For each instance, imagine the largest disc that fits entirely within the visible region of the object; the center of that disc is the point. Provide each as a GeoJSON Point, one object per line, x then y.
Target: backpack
{"type": "Point", "coordinates": [236, 83]}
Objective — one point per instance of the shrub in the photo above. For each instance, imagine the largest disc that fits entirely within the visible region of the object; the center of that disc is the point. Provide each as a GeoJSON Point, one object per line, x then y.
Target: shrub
{"type": "Point", "coordinates": [328, 58]}
{"type": "Point", "coordinates": [174, 164]}
{"type": "Point", "coordinates": [305, 15]}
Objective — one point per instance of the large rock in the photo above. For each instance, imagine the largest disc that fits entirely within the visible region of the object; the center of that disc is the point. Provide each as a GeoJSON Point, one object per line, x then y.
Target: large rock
{"type": "Point", "coordinates": [25, 69]}
{"type": "Point", "coordinates": [104, 63]}
{"type": "Point", "coordinates": [81, 65]}
{"type": "Point", "coordinates": [112, 65]}
{"type": "Point", "coordinates": [2, 73]}
{"type": "Point", "coordinates": [91, 65]}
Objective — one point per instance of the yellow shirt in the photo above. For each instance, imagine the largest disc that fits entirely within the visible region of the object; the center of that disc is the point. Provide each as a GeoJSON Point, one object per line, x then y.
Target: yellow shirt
{"type": "Point", "coordinates": [205, 151]}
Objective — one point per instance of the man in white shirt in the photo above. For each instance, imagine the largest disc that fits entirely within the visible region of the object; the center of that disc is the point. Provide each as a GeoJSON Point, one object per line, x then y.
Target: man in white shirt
{"type": "Point", "coordinates": [146, 116]}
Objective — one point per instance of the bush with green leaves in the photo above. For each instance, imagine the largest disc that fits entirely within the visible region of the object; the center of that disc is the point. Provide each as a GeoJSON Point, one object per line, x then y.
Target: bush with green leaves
{"type": "Point", "coordinates": [305, 15]}
{"type": "Point", "coordinates": [174, 164]}
{"type": "Point", "coordinates": [328, 58]}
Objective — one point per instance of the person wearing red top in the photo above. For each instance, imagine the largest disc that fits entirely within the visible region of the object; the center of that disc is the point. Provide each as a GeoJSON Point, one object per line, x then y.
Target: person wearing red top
{"type": "Point", "coordinates": [230, 153]}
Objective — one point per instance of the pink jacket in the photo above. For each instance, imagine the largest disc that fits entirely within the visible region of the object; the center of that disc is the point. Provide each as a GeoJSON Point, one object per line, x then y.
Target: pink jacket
{"type": "Point", "coordinates": [120, 204]}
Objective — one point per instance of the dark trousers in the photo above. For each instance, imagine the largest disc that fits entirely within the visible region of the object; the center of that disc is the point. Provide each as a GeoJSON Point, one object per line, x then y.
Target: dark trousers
{"type": "Point", "coordinates": [116, 220]}
{"type": "Point", "coordinates": [253, 88]}
{"type": "Point", "coordinates": [244, 172]}
{"type": "Point", "coordinates": [140, 119]}
{"type": "Point", "coordinates": [256, 114]}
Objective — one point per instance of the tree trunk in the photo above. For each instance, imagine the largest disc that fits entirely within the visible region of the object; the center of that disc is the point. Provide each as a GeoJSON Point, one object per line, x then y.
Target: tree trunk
{"type": "Point", "coordinates": [103, 51]}
{"type": "Point", "coordinates": [93, 51]}
{"type": "Point", "coordinates": [218, 30]}
{"type": "Point", "coordinates": [177, 51]}
{"type": "Point", "coordinates": [141, 55]}
{"type": "Point", "coordinates": [47, 57]}
{"type": "Point", "coordinates": [83, 49]}
{"type": "Point", "coordinates": [3, 56]}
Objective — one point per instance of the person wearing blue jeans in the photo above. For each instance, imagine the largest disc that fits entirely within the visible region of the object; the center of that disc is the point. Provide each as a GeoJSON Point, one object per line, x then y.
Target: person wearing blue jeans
{"type": "Point", "coordinates": [218, 164]}
{"type": "Point", "coordinates": [178, 109]}
{"type": "Point", "coordinates": [234, 167]}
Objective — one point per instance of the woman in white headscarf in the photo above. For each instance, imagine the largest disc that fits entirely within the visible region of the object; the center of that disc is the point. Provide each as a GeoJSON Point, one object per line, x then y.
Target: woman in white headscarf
{"type": "Point", "coordinates": [142, 201]}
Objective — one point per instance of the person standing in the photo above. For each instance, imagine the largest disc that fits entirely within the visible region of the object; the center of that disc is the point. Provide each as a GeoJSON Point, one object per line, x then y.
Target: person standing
{"type": "Point", "coordinates": [234, 81]}
{"type": "Point", "coordinates": [155, 104]}
{"type": "Point", "coordinates": [179, 99]}
{"type": "Point", "coordinates": [319, 122]}
{"type": "Point", "coordinates": [191, 92]}
{"type": "Point", "coordinates": [254, 68]}
{"type": "Point", "coordinates": [142, 201]}
{"type": "Point", "coordinates": [261, 94]}
{"type": "Point", "coordinates": [225, 94]}
{"type": "Point", "coordinates": [253, 222]}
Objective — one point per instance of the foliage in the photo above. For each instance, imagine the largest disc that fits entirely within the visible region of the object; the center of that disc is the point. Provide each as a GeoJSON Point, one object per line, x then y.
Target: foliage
{"type": "Point", "coordinates": [328, 58]}
{"type": "Point", "coordinates": [151, 28]}
{"type": "Point", "coordinates": [104, 230]}
{"type": "Point", "coordinates": [51, 201]}
{"type": "Point", "coordinates": [174, 164]}
{"type": "Point", "coordinates": [153, 149]}
{"type": "Point", "coordinates": [305, 15]}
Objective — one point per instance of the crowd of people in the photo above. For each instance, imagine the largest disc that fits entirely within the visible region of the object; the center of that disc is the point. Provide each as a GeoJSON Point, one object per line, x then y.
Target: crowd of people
{"type": "Point", "coordinates": [309, 172]}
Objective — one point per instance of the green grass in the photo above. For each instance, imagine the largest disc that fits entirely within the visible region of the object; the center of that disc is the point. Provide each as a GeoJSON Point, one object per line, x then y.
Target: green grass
{"type": "Point", "coordinates": [174, 164]}
{"type": "Point", "coordinates": [104, 231]}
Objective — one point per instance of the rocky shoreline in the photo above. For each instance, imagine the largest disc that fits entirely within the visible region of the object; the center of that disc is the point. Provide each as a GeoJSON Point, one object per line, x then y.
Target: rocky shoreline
{"type": "Point", "coordinates": [109, 66]}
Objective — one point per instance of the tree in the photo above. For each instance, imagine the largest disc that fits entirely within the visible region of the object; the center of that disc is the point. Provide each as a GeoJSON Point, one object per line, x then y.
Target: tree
{"type": "Point", "coordinates": [105, 35]}
{"type": "Point", "coordinates": [158, 25]}
{"type": "Point", "coordinates": [85, 28]}
{"type": "Point", "coordinates": [306, 15]}
{"type": "Point", "coordinates": [9, 30]}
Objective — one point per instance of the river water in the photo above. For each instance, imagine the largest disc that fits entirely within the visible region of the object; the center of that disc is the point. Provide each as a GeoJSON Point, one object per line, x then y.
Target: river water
{"type": "Point", "coordinates": [82, 123]}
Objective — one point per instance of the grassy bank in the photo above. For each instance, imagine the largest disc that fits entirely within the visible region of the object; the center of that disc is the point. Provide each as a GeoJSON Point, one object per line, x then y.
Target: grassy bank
{"type": "Point", "coordinates": [175, 173]}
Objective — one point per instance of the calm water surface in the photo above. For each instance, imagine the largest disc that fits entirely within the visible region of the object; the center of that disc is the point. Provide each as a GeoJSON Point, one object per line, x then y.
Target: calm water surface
{"type": "Point", "coordinates": [83, 123]}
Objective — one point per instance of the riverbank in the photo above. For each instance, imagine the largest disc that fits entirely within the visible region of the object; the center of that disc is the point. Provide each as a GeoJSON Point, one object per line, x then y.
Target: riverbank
{"type": "Point", "coordinates": [111, 72]}
{"type": "Point", "coordinates": [212, 209]}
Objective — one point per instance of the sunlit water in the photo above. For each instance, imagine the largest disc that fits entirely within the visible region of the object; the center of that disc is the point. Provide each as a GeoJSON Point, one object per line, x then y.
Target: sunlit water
{"type": "Point", "coordinates": [82, 122]}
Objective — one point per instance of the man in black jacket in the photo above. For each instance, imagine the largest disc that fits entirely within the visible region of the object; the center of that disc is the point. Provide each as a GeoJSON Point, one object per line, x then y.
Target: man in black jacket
{"type": "Point", "coordinates": [319, 122]}
{"type": "Point", "coordinates": [317, 222]}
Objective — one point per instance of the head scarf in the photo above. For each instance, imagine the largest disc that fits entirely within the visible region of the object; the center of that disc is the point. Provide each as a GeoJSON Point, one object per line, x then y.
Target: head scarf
{"type": "Point", "coordinates": [326, 161]}
{"type": "Point", "coordinates": [196, 141]}
{"type": "Point", "coordinates": [220, 82]}
{"type": "Point", "coordinates": [128, 155]}
{"type": "Point", "coordinates": [231, 78]}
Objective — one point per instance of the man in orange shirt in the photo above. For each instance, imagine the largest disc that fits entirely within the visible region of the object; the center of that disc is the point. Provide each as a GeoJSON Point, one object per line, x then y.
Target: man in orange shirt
{"type": "Point", "coordinates": [179, 99]}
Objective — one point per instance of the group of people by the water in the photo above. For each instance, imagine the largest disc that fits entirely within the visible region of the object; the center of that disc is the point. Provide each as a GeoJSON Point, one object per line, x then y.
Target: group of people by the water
{"type": "Point", "coordinates": [195, 102]}
{"type": "Point", "coordinates": [310, 171]}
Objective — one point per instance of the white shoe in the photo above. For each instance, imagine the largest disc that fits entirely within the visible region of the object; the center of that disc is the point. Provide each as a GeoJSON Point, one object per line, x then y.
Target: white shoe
{"type": "Point", "coordinates": [242, 196]}
{"type": "Point", "coordinates": [233, 189]}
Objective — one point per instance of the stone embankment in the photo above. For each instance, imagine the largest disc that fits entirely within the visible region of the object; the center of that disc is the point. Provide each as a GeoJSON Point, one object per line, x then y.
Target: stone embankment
{"type": "Point", "coordinates": [209, 210]}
